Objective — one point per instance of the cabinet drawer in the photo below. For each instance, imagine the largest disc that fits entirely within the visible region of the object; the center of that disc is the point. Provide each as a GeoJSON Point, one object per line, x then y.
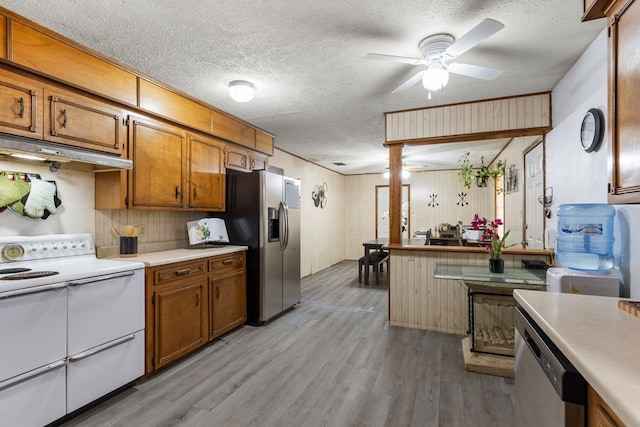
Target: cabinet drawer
{"type": "Point", "coordinates": [225, 263]}
{"type": "Point", "coordinates": [237, 159]}
{"type": "Point", "coordinates": [178, 272]}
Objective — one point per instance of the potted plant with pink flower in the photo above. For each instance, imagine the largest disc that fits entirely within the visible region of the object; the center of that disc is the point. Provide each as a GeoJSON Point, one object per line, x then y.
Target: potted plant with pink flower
{"type": "Point", "coordinates": [494, 243]}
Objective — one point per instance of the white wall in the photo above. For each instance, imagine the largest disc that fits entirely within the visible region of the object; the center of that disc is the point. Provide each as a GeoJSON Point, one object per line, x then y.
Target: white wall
{"type": "Point", "coordinates": [580, 177]}
{"type": "Point", "coordinates": [75, 215]}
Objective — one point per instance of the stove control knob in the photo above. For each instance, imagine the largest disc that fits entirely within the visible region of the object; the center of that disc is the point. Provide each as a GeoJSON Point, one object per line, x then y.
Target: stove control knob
{"type": "Point", "coordinates": [12, 252]}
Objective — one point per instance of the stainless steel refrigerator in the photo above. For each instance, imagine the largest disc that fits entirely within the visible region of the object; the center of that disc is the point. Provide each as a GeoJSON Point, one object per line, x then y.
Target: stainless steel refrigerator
{"type": "Point", "coordinates": [263, 213]}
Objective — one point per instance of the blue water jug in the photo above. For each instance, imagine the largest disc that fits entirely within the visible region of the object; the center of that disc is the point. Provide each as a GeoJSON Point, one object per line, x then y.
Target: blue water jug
{"type": "Point", "coordinates": [585, 236]}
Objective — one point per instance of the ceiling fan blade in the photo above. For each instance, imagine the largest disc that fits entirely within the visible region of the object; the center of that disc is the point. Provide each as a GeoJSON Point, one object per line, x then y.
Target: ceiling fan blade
{"type": "Point", "coordinates": [477, 34]}
{"type": "Point", "coordinates": [392, 58]}
{"type": "Point", "coordinates": [477, 71]}
{"type": "Point", "coordinates": [409, 83]}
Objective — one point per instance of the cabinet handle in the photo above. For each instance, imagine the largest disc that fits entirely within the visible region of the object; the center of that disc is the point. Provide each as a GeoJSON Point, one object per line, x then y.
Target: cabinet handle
{"type": "Point", "coordinates": [197, 300]}
{"type": "Point", "coordinates": [253, 164]}
{"type": "Point", "coordinates": [217, 292]}
{"type": "Point", "coordinates": [195, 193]}
{"type": "Point", "coordinates": [64, 118]}
{"type": "Point", "coordinates": [182, 272]}
{"type": "Point", "coordinates": [227, 262]}
{"type": "Point", "coordinates": [21, 108]}
{"type": "Point", "coordinates": [243, 161]}
{"type": "Point", "coordinates": [177, 191]}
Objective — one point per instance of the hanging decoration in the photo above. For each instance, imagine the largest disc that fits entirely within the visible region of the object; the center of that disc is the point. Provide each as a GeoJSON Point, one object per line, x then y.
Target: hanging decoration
{"type": "Point", "coordinates": [511, 181]}
{"type": "Point", "coordinates": [433, 203]}
{"type": "Point", "coordinates": [462, 201]}
{"type": "Point", "coordinates": [319, 195]}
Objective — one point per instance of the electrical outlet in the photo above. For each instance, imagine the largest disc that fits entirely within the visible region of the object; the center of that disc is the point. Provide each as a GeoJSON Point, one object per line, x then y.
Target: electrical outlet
{"type": "Point", "coordinates": [142, 230]}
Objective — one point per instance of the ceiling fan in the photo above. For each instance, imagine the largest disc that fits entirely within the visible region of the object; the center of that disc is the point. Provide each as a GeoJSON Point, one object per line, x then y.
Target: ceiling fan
{"type": "Point", "coordinates": [437, 50]}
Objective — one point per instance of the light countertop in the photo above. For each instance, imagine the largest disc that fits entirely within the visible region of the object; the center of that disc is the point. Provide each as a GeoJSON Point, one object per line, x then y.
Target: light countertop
{"type": "Point", "coordinates": [152, 259]}
{"type": "Point", "coordinates": [599, 339]}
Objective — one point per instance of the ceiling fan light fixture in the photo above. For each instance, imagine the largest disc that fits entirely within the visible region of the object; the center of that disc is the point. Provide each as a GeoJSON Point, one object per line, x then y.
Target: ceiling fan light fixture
{"type": "Point", "coordinates": [241, 90]}
{"type": "Point", "coordinates": [435, 78]}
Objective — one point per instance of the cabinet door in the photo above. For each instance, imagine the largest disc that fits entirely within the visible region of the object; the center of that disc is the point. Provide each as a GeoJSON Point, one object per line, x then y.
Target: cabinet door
{"type": "Point", "coordinates": [624, 85]}
{"type": "Point", "coordinates": [237, 159]}
{"type": "Point", "coordinates": [81, 122]}
{"type": "Point", "coordinates": [20, 105]}
{"type": "Point", "coordinates": [227, 301]}
{"type": "Point", "coordinates": [180, 317]}
{"type": "Point", "coordinates": [158, 164]}
{"type": "Point", "coordinates": [206, 174]}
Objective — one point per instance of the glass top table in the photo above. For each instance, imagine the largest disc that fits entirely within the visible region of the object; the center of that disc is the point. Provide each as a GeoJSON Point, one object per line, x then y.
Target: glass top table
{"type": "Point", "coordinates": [478, 273]}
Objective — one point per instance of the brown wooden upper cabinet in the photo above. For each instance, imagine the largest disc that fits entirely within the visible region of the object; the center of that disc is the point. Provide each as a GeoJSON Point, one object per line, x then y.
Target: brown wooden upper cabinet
{"type": "Point", "coordinates": [624, 86]}
{"type": "Point", "coordinates": [206, 173]}
{"type": "Point", "coordinates": [43, 53]}
{"type": "Point", "coordinates": [75, 120]}
{"type": "Point", "coordinates": [3, 37]}
{"type": "Point", "coordinates": [233, 130]}
{"type": "Point", "coordinates": [264, 142]}
{"type": "Point", "coordinates": [158, 153]}
{"type": "Point", "coordinates": [159, 100]}
{"type": "Point", "coordinates": [21, 105]}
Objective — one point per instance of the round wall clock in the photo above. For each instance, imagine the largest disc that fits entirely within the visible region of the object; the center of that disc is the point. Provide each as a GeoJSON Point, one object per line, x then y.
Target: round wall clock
{"type": "Point", "coordinates": [592, 130]}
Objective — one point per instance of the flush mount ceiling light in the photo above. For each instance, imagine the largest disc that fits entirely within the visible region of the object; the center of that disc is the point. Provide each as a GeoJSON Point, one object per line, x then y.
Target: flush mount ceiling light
{"type": "Point", "coordinates": [241, 90]}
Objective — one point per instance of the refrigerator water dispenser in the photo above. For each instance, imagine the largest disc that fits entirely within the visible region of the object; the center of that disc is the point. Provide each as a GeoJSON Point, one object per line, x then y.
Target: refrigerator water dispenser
{"type": "Point", "coordinates": [273, 224]}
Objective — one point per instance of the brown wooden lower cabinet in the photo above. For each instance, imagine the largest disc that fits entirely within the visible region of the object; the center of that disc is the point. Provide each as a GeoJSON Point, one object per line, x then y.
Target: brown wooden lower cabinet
{"type": "Point", "coordinates": [190, 303]}
{"type": "Point", "coordinates": [599, 413]}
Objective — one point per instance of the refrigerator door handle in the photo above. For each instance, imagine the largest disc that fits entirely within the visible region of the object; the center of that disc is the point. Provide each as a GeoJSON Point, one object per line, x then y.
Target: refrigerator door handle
{"type": "Point", "coordinates": [284, 226]}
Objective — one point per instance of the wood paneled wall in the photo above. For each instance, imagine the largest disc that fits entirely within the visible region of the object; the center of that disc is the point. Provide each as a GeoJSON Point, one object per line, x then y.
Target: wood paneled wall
{"type": "Point", "coordinates": [322, 232]}
{"type": "Point", "coordinates": [417, 300]}
{"type": "Point", "coordinates": [360, 213]}
{"type": "Point", "coordinates": [489, 116]}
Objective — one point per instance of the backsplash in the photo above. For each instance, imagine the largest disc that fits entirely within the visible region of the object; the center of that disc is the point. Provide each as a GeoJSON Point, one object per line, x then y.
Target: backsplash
{"type": "Point", "coordinates": [163, 230]}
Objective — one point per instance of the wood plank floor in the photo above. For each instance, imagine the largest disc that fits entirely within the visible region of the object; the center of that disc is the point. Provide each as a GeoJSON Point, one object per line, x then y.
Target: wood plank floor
{"type": "Point", "coordinates": [331, 361]}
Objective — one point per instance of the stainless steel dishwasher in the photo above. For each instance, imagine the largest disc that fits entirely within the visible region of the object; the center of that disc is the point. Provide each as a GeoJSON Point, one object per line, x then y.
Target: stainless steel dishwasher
{"type": "Point", "coordinates": [549, 391]}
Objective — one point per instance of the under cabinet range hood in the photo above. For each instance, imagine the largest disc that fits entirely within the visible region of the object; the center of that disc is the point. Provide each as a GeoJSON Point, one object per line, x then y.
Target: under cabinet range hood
{"type": "Point", "coordinates": [16, 148]}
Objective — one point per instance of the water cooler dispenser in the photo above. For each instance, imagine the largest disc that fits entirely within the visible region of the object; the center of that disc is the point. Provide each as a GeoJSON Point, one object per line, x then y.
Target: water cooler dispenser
{"type": "Point", "coordinates": [584, 252]}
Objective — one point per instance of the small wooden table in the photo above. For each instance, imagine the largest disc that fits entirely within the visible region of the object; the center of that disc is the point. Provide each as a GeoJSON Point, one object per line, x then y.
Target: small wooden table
{"type": "Point", "coordinates": [372, 245]}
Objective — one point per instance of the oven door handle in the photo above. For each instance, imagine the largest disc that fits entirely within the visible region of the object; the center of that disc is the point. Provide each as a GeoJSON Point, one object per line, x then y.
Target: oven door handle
{"type": "Point", "coordinates": [31, 374]}
{"type": "Point", "coordinates": [103, 278]}
{"type": "Point", "coordinates": [33, 290]}
{"type": "Point", "coordinates": [101, 348]}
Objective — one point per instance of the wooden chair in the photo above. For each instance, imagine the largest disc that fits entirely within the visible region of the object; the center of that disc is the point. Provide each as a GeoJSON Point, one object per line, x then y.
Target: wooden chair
{"type": "Point", "coordinates": [376, 259]}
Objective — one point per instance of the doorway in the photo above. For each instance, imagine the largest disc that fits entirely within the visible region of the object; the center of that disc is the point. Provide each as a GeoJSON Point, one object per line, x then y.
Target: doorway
{"type": "Point", "coordinates": [534, 191]}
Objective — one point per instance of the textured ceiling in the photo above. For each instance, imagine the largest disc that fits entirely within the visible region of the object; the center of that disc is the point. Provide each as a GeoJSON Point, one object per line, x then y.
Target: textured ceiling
{"type": "Point", "coordinates": [315, 92]}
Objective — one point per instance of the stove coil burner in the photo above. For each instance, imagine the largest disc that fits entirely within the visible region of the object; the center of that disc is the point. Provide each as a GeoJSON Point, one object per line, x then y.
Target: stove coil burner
{"type": "Point", "coordinates": [29, 275]}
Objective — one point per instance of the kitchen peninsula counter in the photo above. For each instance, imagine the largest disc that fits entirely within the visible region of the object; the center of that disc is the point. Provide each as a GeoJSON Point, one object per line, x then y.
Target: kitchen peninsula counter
{"type": "Point", "coordinates": [418, 245]}
{"type": "Point", "coordinates": [598, 338]}
{"type": "Point", "coordinates": [419, 300]}
{"type": "Point", "coordinates": [152, 259]}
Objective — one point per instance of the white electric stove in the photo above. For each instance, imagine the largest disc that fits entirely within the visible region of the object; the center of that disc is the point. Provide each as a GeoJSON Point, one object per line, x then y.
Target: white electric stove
{"type": "Point", "coordinates": [72, 326]}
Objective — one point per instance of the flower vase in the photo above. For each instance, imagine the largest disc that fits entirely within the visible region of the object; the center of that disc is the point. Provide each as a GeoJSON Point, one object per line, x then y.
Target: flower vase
{"type": "Point", "coordinates": [496, 265]}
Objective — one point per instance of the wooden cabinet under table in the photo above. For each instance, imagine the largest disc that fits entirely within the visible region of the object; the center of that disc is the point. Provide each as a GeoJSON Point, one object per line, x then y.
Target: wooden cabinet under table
{"type": "Point", "coordinates": [190, 303]}
{"type": "Point", "coordinates": [227, 293]}
{"type": "Point", "coordinates": [599, 413]}
{"type": "Point", "coordinates": [177, 313]}
{"type": "Point", "coordinates": [491, 302]}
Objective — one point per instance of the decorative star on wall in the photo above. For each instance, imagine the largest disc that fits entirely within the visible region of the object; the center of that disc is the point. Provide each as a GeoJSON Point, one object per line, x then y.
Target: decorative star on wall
{"type": "Point", "coordinates": [462, 201]}
{"type": "Point", "coordinates": [433, 203]}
